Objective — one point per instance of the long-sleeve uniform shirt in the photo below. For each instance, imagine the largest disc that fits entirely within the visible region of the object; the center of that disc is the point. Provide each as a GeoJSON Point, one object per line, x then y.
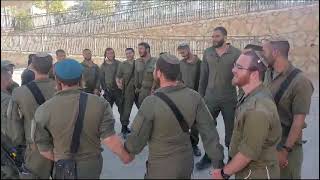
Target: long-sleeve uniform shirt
{"type": "Point", "coordinates": [256, 133]}
{"type": "Point", "coordinates": [55, 122]}
{"type": "Point", "coordinates": [90, 77]}
{"type": "Point", "coordinates": [170, 150]}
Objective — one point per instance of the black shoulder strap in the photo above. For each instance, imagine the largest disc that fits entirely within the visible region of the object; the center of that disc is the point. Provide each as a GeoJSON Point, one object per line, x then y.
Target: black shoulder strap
{"type": "Point", "coordinates": [36, 92]}
{"type": "Point", "coordinates": [130, 77]}
{"type": "Point", "coordinates": [75, 143]}
{"type": "Point", "coordinates": [183, 124]}
{"type": "Point", "coordinates": [196, 84]}
{"type": "Point", "coordinates": [285, 84]}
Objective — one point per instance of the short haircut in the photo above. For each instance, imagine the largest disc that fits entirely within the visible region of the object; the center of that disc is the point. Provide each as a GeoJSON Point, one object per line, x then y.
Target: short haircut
{"type": "Point", "coordinates": [42, 64]}
{"type": "Point", "coordinates": [71, 82]}
{"type": "Point", "coordinates": [60, 51]}
{"type": "Point", "coordinates": [30, 58]}
{"type": "Point", "coordinates": [145, 45]}
{"type": "Point", "coordinates": [129, 49]}
{"type": "Point", "coordinates": [170, 71]}
{"type": "Point", "coordinates": [256, 63]}
{"type": "Point", "coordinates": [183, 46]}
{"type": "Point", "coordinates": [86, 50]}
{"type": "Point", "coordinates": [222, 30]}
{"type": "Point", "coordinates": [282, 46]}
{"type": "Point", "coordinates": [253, 47]}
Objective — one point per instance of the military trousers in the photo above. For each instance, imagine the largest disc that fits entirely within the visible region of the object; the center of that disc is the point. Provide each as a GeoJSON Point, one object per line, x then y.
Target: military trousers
{"type": "Point", "coordinates": [128, 99]}
{"type": "Point", "coordinates": [90, 168]}
{"type": "Point", "coordinates": [295, 158]}
{"type": "Point", "coordinates": [194, 136]}
{"type": "Point", "coordinates": [261, 172]}
{"type": "Point", "coordinates": [40, 166]}
{"type": "Point", "coordinates": [227, 108]}
{"type": "Point", "coordinates": [114, 96]}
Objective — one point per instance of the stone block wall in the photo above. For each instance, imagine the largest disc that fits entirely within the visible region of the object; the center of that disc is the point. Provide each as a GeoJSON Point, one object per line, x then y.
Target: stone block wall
{"type": "Point", "coordinates": [300, 25]}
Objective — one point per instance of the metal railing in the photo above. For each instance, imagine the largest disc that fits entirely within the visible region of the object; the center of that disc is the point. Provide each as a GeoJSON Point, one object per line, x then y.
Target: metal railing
{"type": "Point", "coordinates": [168, 12]}
{"type": "Point", "coordinates": [74, 45]}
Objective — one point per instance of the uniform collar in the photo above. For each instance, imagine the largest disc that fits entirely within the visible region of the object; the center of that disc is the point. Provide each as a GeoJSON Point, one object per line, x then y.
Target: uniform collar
{"type": "Point", "coordinates": [75, 90]}
{"type": "Point", "coordinates": [169, 89]}
{"type": "Point", "coordinates": [283, 73]}
{"type": "Point", "coordinates": [229, 50]}
{"type": "Point", "coordinates": [42, 80]}
{"type": "Point", "coordinates": [251, 94]}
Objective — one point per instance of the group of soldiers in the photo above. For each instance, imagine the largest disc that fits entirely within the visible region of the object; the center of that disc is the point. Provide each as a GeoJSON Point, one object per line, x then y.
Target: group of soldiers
{"type": "Point", "coordinates": [62, 113]}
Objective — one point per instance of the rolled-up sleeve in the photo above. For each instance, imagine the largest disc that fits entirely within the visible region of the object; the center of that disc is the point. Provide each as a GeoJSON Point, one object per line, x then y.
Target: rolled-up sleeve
{"type": "Point", "coordinates": [141, 128]}
{"type": "Point", "coordinates": [106, 128]}
{"type": "Point", "coordinates": [41, 135]}
{"type": "Point", "coordinates": [255, 132]}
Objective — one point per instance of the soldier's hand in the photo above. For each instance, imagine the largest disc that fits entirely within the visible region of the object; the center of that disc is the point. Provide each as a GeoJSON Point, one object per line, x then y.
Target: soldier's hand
{"type": "Point", "coordinates": [127, 158]}
{"type": "Point", "coordinates": [283, 158]}
{"type": "Point", "coordinates": [216, 174]}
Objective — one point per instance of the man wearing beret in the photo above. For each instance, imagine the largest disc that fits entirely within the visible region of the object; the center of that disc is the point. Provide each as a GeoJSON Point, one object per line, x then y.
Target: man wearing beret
{"type": "Point", "coordinates": [166, 129]}
{"type": "Point", "coordinates": [54, 130]}
{"type": "Point", "coordinates": [25, 100]}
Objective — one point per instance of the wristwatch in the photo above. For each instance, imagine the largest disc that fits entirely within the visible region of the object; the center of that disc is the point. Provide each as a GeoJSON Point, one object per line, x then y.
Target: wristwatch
{"type": "Point", "coordinates": [287, 148]}
{"type": "Point", "coordinates": [225, 176]}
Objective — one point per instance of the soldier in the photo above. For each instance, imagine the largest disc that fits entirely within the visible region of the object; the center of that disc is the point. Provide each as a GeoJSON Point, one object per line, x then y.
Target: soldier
{"type": "Point", "coordinates": [257, 129]}
{"type": "Point", "coordinates": [10, 66]}
{"type": "Point", "coordinates": [27, 75]}
{"type": "Point", "coordinates": [190, 75]}
{"type": "Point", "coordinates": [25, 101]}
{"type": "Point", "coordinates": [60, 54]}
{"type": "Point", "coordinates": [108, 71]}
{"type": "Point", "coordinates": [144, 66]}
{"type": "Point", "coordinates": [54, 130]}
{"type": "Point", "coordinates": [292, 92]}
{"type": "Point", "coordinates": [125, 82]}
{"type": "Point", "coordinates": [164, 120]}
{"type": "Point", "coordinates": [215, 83]}
{"type": "Point", "coordinates": [91, 74]}
{"type": "Point", "coordinates": [7, 168]}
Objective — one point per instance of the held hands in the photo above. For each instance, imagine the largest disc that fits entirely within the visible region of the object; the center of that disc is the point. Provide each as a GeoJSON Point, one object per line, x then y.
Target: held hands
{"type": "Point", "coordinates": [283, 158]}
{"type": "Point", "coordinates": [216, 174]}
{"type": "Point", "coordinates": [127, 158]}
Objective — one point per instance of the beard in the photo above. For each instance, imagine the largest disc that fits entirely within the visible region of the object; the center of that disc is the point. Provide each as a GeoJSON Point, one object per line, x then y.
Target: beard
{"type": "Point", "coordinates": [144, 54]}
{"type": "Point", "coordinates": [218, 44]}
{"type": "Point", "coordinates": [240, 81]}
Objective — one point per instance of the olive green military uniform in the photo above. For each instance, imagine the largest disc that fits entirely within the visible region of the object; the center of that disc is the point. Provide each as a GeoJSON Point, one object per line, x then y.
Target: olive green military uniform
{"type": "Point", "coordinates": [21, 114]}
{"type": "Point", "coordinates": [7, 172]}
{"type": "Point", "coordinates": [295, 100]}
{"type": "Point", "coordinates": [125, 73]}
{"type": "Point", "coordinates": [108, 83]}
{"type": "Point", "coordinates": [216, 86]}
{"type": "Point", "coordinates": [90, 77]}
{"type": "Point", "coordinates": [257, 131]}
{"type": "Point", "coordinates": [12, 86]}
{"type": "Point", "coordinates": [144, 78]}
{"type": "Point", "coordinates": [190, 76]}
{"type": "Point", "coordinates": [170, 150]}
{"type": "Point", "coordinates": [54, 130]}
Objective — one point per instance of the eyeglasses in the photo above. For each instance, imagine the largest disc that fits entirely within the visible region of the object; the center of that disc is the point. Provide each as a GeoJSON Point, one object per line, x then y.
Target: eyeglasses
{"type": "Point", "coordinates": [253, 68]}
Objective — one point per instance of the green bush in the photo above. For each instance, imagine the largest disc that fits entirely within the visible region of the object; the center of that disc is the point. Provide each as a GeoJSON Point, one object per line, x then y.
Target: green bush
{"type": "Point", "coordinates": [23, 21]}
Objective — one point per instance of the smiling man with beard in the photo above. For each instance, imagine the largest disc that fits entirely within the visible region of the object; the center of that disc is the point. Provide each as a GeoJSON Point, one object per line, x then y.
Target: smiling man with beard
{"type": "Point", "coordinates": [215, 83]}
{"type": "Point", "coordinates": [257, 128]}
